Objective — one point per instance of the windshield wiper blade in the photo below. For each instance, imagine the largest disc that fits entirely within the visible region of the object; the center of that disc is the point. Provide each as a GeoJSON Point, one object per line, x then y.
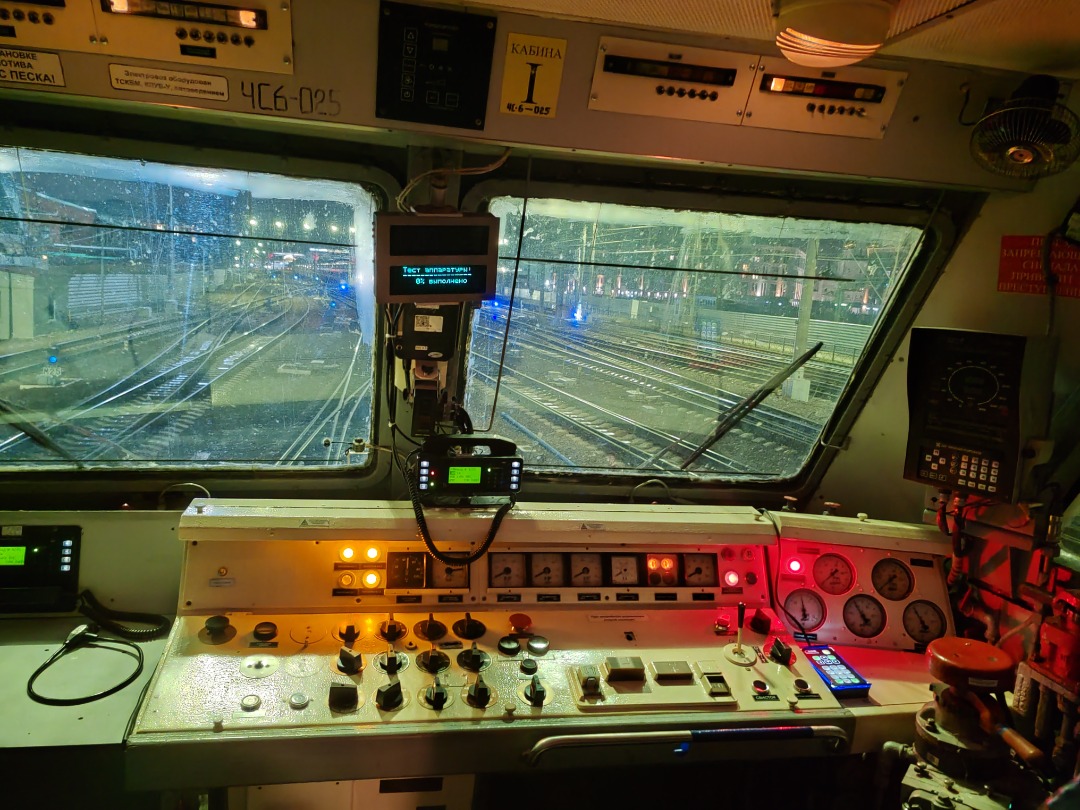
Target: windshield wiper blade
{"type": "Point", "coordinates": [17, 420]}
{"type": "Point", "coordinates": [749, 403]}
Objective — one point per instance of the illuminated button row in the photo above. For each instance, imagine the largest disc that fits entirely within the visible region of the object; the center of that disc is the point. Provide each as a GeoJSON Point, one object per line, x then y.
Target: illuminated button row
{"type": "Point", "coordinates": [65, 559]}
{"type": "Point", "coordinates": [515, 475]}
{"type": "Point", "coordinates": [425, 474]}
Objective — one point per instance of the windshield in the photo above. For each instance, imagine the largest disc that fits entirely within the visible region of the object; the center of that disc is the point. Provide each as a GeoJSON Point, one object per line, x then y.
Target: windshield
{"type": "Point", "coordinates": [636, 331]}
{"type": "Point", "coordinates": [159, 315]}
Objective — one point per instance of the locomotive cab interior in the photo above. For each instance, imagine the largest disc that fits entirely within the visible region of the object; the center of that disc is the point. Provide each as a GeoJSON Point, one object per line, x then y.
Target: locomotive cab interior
{"type": "Point", "coordinates": [442, 404]}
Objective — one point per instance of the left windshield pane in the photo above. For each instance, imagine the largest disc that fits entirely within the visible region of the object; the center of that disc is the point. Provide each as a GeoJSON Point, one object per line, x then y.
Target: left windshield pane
{"type": "Point", "coordinates": [170, 316]}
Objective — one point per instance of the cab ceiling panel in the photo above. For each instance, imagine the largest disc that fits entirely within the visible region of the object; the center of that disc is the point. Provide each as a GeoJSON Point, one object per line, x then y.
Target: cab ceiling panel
{"type": "Point", "coordinates": [1031, 36]}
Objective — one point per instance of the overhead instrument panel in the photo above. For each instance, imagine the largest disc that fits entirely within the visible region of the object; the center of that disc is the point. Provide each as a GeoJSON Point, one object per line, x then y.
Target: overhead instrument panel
{"type": "Point", "coordinates": [254, 35]}
{"type": "Point", "coordinates": [434, 65]}
{"type": "Point", "coordinates": [854, 102]}
{"type": "Point", "coordinates": [861, 582]}
{"type": "Point", "coordinates": [671, 81]}
{"type": "Point", "coordinates": [54, 24]}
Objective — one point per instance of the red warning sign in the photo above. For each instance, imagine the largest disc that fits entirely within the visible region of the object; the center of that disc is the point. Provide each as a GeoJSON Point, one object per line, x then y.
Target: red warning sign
{"type": "Point", "coordinates": [1020, 267]}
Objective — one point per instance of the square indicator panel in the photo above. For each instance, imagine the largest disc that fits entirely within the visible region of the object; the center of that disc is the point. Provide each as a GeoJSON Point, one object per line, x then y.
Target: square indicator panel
{"type": "Point", "coordinates": [434, 65]}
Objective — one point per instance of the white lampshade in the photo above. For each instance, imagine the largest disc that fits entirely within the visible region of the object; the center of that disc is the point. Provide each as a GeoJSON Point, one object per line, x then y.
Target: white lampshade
{"type": "Point", "coordinates": [832, 33]}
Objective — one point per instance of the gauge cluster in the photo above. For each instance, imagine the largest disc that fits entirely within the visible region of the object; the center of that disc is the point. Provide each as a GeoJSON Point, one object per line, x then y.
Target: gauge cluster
{"type": "Point", "coordinates": [590, 569]}
{"type": "Point", "coordinates": [886, 592]}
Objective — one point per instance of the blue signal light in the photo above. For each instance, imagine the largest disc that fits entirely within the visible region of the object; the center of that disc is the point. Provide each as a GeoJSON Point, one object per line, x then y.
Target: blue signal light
{"type": "Point", "coordinates": [333, 304]}
{"type": "Point", "coordinates": [344, 286]}
{"type": "Point", "coordinates": [53, 358]}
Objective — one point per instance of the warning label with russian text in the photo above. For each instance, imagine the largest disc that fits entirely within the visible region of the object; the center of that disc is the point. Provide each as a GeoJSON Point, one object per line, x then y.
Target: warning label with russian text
{"type": "Point", "coordinates": [1020, 267]}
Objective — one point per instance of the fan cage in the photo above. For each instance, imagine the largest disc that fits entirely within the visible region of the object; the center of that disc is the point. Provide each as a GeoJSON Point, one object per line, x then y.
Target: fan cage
{"type": "Point", "coordinates": [1027, 137]}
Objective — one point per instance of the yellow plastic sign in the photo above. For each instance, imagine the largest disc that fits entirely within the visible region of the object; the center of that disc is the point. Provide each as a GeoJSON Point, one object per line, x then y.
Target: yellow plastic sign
{"type": "Point", "coordinates": [532, 75]}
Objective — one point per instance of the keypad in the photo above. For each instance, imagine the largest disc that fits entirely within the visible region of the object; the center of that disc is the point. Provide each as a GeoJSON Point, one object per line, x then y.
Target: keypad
{"type": "Point", "coordinates": [966, 469]}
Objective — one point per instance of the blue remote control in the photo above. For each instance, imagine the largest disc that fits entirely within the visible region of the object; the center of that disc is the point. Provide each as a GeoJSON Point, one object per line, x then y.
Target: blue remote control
{"type": "Point", "coordinates": [842, 680]}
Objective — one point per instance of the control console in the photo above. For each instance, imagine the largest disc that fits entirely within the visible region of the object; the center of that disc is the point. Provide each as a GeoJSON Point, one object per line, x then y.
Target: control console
{"type": "Point", "coordinates": [317, 633]}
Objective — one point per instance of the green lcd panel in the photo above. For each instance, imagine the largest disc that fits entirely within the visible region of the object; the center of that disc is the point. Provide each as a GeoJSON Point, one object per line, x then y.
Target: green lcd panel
{"type": "Point", "coordinates": [12, 555]}
{"type": "Point", "coordinates": [463, 475]}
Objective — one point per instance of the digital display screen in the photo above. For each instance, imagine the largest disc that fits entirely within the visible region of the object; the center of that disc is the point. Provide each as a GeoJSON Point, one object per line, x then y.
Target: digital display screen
{"type": "Point", "coordinates": [675, 71]}
{"type": "Point", "coordinates": [463, 475]}
{"type": "Point", "coordinates": [440, 240]}
{"type": "Point", "coordinates": [439, 279]}
{"type": "Point", "coordinates": [12, 555]}
{"type": "Point", "coordinates": [822, 88]}
{"type": "Point", "coordinates": [254, 19]}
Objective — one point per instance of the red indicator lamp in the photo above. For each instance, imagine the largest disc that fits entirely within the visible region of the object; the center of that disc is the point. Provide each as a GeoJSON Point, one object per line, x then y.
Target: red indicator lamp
{"type": "Point", "coordinates": [794, 565]}
{"type": "Point", "coordinates": [653, 563]}
{"type": "Point", "coordinates": [667, 563]}
{"type": "Point", "coordinates": [731, 579]}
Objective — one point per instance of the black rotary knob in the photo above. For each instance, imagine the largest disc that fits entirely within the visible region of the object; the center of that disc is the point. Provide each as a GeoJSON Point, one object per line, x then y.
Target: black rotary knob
{"type": "Point", "coordinates": [389, 696]}
{"type": "Point", "coordinates": [508, 645]}
{"type": "Point", "coordinates": [535, 692]}
{"type": "Point", "coordinates": [430, 629]}
{"type": "Point", "coordinates": [217, 630]}
{"type": "Point", "coordinates": [433, 661]}
{"type": "Point", "coordinates": [265, 631]}
{"type": "Point", "coordinates": [473, 659]}
{"type": "Point", "coordinates": [469, 628]}
{"type": "Point", "coordinates": [478, 693]}
{"type": "Point", "coordinates": [343, 697]}
{"type": "Point", "coordinates": [436, 695]}
{"type": "Point", "coordinates": [217, 625]}
{"type": "Point", "coordinates": [350, 661]}
{"type": "Point", "coordinates": [528, 666]}
{"type": "Point", "coordinates": [392, 629]}
{"type": "Point", "coordinates": [393, 661]}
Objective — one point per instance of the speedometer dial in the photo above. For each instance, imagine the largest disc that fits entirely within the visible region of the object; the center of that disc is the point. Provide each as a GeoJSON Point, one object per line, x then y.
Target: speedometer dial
{"type": "Point", "coordinates": [864, 616]}
{"type": "Point", "coordinates": [833, 574]}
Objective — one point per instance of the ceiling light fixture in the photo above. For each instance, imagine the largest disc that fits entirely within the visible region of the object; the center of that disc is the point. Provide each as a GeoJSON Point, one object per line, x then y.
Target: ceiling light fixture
{"type": "Point", "coordinates": [832, 33]}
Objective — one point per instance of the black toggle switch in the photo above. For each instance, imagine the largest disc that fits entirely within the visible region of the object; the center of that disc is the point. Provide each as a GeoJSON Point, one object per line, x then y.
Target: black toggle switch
{"type": "Point", "coordinates": [392, 629]}
{"type": "Point", "coordinates": [473, 659]}
{"type": "Point", "coordinates": [389, 696]}
{"type": "Point", "coordinates": [479, 693]}
{"type": "Point", "coordinates": [436, 695]}
{"type": "Point", "coordinates": [469, 628]}
{"type": "Point", "coordinates": [535, 692]}
{"type": "Point", "coordinates": [780, 652]}
{"type": "Point", "coordinates": [350, 661]}
{"type": "Point", "coordinates": [430, 629]}
{"type": "Point", "coordinates": [432, 661]}
{"type": "Point", "coordinates": [343, 697]}
{"type": "Point", "coordinates": [348, 632]}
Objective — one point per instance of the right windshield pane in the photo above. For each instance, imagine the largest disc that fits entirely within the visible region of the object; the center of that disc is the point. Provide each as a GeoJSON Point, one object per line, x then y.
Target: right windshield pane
{"type": "Point", "coordinates": [639, 333]}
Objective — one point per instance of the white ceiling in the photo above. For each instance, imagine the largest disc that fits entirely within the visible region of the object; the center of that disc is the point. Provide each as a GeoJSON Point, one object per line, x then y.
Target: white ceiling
{"type": "Point", "coordinates": [1031, 36]}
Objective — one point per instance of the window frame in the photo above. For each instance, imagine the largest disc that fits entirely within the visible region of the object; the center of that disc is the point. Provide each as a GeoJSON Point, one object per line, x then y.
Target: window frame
{"type": "Point", "coordinates": [169, 488]}
{"type": "Point", "coordinates": [942, 214]}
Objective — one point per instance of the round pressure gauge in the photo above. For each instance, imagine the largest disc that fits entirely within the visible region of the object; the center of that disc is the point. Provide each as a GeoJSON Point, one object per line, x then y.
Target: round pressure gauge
{"type": "Point", "coordinates": [586, 570]}
{"type": "Point", "coordinates": [892, 579]}
{"type": "Point", "coordinates": [924, 621]}
{"type": "Point", "coordinates": [507, 570]}
{"type": "Point", "coordinates": [807, 608]}
{"type": "Point", "coordinates": [864, 616]}
{"type": "Point", "coordinates": [833, 574]}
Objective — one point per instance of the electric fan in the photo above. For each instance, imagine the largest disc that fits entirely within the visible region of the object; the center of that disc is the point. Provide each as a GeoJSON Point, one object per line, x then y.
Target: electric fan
{"type": "Point", "coordinates": [1031, 135]}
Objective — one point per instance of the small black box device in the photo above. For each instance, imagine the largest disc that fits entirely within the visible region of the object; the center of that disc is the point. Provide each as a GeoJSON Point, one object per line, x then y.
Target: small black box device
{"type": "Point", "coordinates": [39, 568]}
{"type": "Point", "coordinates": [452, 468]}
